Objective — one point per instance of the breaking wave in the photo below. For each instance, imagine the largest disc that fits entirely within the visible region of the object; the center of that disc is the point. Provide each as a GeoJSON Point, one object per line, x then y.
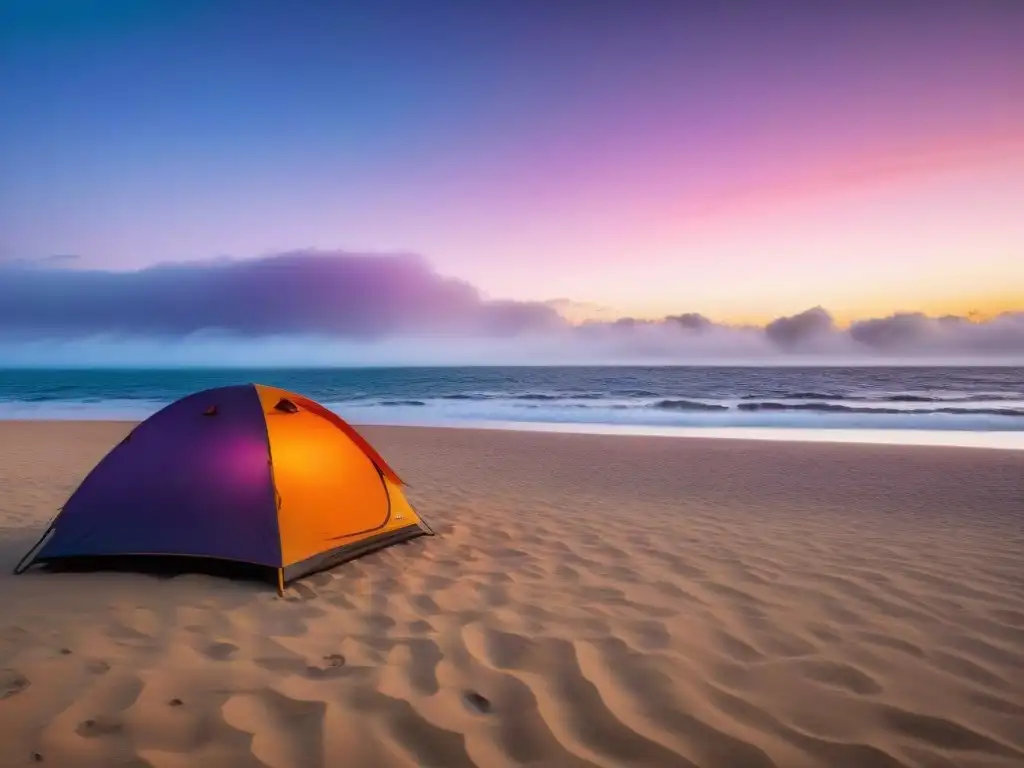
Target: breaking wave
{"type": "Point", "coordinates": [970, 399]}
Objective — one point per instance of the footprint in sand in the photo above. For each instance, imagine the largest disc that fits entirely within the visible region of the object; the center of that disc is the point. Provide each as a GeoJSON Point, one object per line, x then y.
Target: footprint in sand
{"type": "Point", "coordinates": [91, 729]}
{"type": "Point", "coordinates": [477, 702]}
{"type": "Point", "coordinates": [333, 668]}
{"type": "Point", "coordinates": [12, 683]}
{"type": "Point", "coordinates": [333, 664]}
{"type": "Point", "coordinates": [220, 651]}
{"type": "Point", "coordinates": [98, 667]}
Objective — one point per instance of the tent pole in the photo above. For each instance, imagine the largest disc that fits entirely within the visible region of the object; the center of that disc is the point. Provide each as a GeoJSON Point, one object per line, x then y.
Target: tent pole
{"type": "Point", "coordinates": [280, 581]}
{"type": "Point", "coordinates": [30, 556]}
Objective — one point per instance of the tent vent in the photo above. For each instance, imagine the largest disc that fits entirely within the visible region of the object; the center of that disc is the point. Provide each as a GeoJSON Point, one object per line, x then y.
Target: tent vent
{"type": "Point", "coordinates": [284, 405]}
{"type": "Point", "coordinates": [211, 411]}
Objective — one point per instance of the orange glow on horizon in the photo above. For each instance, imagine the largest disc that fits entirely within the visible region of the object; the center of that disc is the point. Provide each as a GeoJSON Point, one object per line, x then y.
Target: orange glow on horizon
{"type": "Point", "coordinates": [978, 308]}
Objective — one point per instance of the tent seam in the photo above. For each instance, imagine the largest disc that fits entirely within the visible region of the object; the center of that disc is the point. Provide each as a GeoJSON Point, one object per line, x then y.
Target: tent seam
{"type": "Point", "coordinates": [273, 476]}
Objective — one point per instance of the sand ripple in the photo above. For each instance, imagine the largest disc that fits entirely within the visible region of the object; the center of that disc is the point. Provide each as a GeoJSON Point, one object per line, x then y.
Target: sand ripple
{"type": "Point", "coordinates": [588, 602]}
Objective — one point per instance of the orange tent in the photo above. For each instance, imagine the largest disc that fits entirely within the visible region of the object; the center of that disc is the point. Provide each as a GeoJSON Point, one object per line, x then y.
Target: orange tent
{"type": "Point", "coordinates": [246, 473]}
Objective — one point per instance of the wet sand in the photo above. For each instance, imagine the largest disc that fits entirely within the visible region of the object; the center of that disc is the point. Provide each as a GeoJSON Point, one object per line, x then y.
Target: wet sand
{"type": "Point", "coordinates": [589, 601]}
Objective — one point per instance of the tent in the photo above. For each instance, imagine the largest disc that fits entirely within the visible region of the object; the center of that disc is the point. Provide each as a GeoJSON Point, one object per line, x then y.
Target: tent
{"type": "Point", "coordinates": [246, 473]}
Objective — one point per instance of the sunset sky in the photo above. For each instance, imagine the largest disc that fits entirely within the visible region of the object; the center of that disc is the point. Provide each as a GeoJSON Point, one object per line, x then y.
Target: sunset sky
{"type": "Point", "coordinates": [741, 160]}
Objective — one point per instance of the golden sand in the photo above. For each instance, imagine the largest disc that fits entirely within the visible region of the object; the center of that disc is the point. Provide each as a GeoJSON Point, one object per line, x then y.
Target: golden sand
{"type": "Point", "coordinates": [589, 601]}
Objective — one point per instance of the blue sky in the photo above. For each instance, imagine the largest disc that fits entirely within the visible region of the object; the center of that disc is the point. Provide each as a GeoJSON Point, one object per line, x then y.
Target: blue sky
{"type": "Point", "coordinates": [742, 161]}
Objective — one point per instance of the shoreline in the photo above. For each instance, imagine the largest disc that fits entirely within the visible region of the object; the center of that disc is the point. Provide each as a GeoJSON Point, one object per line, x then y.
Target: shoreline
{"type": "Point", "coordinates": [995, 440]}
{"type": "Point", "coordinates": [1000, 440]}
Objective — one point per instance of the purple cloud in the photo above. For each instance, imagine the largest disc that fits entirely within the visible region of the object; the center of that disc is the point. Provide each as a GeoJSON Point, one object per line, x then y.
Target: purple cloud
{"type": "Point", "coordinates": [691, 321]}
{"type": "Point", "coordinates": [397, 301]}
{"type": "Point", "coordinates": [915, 332]}
{"type": "Point", "coordinates": [807, 327]}
{"type": "Point", "coordinates": [342, 295]}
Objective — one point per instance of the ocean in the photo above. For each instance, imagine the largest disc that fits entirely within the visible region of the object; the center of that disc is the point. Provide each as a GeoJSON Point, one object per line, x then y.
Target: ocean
{"type": "Point", "coordinates": [936, 404]}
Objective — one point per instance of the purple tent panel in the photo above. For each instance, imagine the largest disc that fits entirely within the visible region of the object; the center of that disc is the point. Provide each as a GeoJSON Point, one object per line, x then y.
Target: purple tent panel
{"type": "Point", "coordinates": [184, 482]}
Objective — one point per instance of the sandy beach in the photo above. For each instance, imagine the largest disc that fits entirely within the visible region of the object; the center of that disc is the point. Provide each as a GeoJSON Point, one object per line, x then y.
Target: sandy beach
{"type": "Point", "coordinates": [589, 601]}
